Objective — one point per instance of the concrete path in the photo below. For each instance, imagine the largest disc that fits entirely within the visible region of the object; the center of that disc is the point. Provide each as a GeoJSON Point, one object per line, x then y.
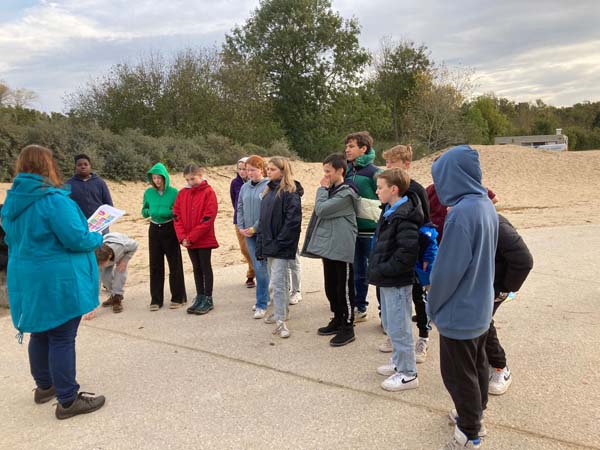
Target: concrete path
{"type": "Point", "coordinates": [221, 381]}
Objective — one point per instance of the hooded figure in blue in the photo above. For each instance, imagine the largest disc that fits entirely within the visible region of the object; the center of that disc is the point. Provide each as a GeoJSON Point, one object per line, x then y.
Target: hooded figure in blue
{"type": "Point", "coordinates": [52, 269]}
{"type": "Point", "coordinates": [461, 296]}
{"type": "Point", "coordinates": [52, 277]}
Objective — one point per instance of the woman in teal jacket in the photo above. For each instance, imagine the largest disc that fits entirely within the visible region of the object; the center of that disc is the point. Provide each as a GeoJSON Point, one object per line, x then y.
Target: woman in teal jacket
{"type": "Point", "coordinates": [52, 277]}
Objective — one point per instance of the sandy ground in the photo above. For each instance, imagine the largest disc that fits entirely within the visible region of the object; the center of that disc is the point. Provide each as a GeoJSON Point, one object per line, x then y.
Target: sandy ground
{"type": "Point", "coordinates": [535, 189]}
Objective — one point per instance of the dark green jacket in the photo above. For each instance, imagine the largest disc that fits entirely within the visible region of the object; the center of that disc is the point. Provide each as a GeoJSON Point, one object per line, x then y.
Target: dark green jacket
{"type": "Point", "coordinates": [156, 206]}
{"type": "Point", "coordinates": [362, 172]}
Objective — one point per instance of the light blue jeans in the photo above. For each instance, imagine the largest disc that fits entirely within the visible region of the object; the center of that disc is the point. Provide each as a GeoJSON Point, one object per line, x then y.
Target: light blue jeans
{"type": "Point", "coordinates": [396, 316]}
{"type": "Point", "coordinates": [294, 270]}
{"type": "Point", "coordinates": [261, 273]}
{"type": "Point", "coordinates": [280, 285]}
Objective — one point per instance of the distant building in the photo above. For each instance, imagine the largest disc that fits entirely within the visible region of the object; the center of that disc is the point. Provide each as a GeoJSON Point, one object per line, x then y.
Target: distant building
{"type": "Point", "coordinates": [556, 141]}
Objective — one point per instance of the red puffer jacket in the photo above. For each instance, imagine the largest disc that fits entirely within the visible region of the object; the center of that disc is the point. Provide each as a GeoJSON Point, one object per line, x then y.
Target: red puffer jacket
{"type": "Point", "coordinates": [194, 211]}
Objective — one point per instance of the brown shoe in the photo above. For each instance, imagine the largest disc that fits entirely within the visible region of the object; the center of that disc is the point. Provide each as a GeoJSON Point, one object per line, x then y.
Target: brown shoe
{"type": "Point", "coordinates": [117, 305]}
{"type": "Point", "coordinates": [83, 404]}
{"type": "Point", "coordinates": [108, 302]}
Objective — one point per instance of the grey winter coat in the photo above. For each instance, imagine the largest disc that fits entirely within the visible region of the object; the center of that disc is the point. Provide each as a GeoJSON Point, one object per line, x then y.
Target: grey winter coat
{"type": "Point", "coordinates": [332, 229]}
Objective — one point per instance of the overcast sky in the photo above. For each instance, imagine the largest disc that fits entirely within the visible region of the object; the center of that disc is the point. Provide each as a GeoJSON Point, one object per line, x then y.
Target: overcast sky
{"type": "Point", "coordinates": [523, 50]}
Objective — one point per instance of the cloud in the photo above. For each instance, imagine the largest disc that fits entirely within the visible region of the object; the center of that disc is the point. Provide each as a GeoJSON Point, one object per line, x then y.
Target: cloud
{"type": "Point", "coordinates": [521, 50]}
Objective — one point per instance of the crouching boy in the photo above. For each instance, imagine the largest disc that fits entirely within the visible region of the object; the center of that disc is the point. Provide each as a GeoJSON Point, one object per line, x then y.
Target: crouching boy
{"type": "Point", "coordinates": [331, 235]}
{"type": "Point", "coordinates": [392, 270]}
{"type": "Point", "coordinates": [113, 257]}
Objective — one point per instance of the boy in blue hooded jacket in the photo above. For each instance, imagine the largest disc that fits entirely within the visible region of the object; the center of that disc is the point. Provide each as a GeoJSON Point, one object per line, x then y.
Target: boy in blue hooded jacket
{"type": "Point", "coordinates": [461, 295]}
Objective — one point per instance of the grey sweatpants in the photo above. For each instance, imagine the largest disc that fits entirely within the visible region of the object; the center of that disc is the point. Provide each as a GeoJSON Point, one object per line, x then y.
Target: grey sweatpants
{"type": "Point", "coordinates": [113, 280]}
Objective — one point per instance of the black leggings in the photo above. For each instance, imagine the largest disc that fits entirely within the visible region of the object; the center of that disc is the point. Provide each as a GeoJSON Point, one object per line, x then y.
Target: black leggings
{"type": "Point", "coordinates": [203, 273]}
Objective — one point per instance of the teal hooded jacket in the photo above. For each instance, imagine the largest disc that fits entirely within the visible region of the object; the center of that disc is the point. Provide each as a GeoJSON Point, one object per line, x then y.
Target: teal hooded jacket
{"type": "Point", "coordinates": [52, 270]}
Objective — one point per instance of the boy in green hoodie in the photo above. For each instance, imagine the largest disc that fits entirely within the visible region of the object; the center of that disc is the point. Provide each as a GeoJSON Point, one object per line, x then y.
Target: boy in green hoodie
{"type": "Point", "coordinates": [362, 173]}
{"type": "Point", "coordinates": [158, 203]}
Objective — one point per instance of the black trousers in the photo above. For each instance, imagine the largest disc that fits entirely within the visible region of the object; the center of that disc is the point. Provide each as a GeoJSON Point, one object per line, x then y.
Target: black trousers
{"type": "Point", "coordinates": [465, 373]}
{"type": "Point", "coordinates": [422, 320]}
{"type": "Point", "coordinates": [339, 289]}
{"type": "Point", "coordinates": [203, 273]}
{"type": "Point", "coordinates": [493, 349]}
{"type": "Point", "coordinates": [162, 241]}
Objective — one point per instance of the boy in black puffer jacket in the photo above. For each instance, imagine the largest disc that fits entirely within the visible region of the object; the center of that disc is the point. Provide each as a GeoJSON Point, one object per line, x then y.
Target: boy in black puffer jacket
{"type": "Point", "coordinates": [392, 270]}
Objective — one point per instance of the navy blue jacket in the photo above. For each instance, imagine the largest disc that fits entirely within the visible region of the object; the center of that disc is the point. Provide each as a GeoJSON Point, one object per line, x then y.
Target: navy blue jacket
{"type": "Point", "coordinates": [461, 296]}
{"type": "Point", "coordinates": [278, 230]}
{"type": "Point", "coordinates": [89, 194]}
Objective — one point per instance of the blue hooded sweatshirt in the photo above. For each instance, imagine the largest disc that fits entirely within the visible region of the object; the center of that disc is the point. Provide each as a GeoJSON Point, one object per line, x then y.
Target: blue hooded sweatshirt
{"type": "Point", "coordinates": [461, 296]}
{"type": "Point", "coordinates": [52, 269]}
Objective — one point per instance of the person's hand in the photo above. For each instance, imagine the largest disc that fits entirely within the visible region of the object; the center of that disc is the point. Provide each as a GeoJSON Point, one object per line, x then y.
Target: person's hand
{"type": "Point", "coordinates": [91, 315]}
{"type": "Point", "coordinates": [425, 265]}
{"type": "Point", "coordinates": [325, 182]}
{"type": "Point", "coordinates": [122, 266]}
{"type": "Point", "coordinates": [244, 232]}
{"type": "Point", "coordinates": [426, 288]}
{"type": "Point", "coordinates": [185, 243]}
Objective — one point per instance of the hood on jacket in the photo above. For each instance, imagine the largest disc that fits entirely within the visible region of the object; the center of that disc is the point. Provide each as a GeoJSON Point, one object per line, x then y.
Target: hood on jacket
{"type": "Point", "coordinates": [366, 159]}
{"type": "Point", "coordinates": [27, 188]}
{"type": "Point", "coordinates": [299, 188]}
{"type": "Point", "coordinates": [159, 169]}
{"type": "Point", "coordinates": [457, 173]}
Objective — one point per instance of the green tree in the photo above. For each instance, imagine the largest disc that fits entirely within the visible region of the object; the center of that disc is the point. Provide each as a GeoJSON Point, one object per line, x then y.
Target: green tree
{"type": "Point", "coordinates": [308, 54]}
{"type": "Point", "coordinates": [398, 68]}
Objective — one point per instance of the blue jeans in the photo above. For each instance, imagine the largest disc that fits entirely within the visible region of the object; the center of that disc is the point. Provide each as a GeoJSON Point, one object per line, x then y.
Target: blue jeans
{"type": "Point", "coordinates": [261, 273]}
{"type": "Point", "coordinates": [278, 269]}
{"type": "Point", "coordinates": [361, 269]}
{"type": "Point", "coordinates": [396, 316]}
{"type": "Point", "coordinates": [52, 360]}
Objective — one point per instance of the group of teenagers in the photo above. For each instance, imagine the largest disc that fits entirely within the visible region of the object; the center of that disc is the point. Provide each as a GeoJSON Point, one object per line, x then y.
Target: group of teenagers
{"type": "Point", "coordinates": [444, 249]}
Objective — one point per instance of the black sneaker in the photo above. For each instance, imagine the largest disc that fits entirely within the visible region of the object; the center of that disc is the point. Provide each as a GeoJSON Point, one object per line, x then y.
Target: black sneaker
{"type": "Point", "coordinates": [343, 337]}
{"type": "Point", "coordinates": [197, 302]}
{"type": "Point", "coordinates": [205, 306]}
{"type": "Point", "coordinates": [331, 328]}
{"type": "Point", "coordinates": [43, 395]}
{"type": "Point", "coordinates": [83, 404]}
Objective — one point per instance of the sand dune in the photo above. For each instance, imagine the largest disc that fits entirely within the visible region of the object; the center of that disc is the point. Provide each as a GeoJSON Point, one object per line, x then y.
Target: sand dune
{"type": "Point", "coordinates": [536, 188]}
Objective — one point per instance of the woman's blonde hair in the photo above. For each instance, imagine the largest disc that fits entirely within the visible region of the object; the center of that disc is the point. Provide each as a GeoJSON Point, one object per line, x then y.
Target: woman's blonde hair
{"type": "Point", "coordinates": [40, 161]}
{"type": "Point", "coordinates": [287, 183]}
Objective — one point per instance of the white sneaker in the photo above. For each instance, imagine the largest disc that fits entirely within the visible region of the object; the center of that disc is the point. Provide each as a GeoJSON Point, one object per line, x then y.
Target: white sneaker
{"type": "Point", "coordinates": [281, 330]}
{"type": "Point", "coordinates": [270, 319]}
{"type": "Point", "coordinates": [360, 316]}
{"type": "Point", "coordinates": [453, 416]}
{"type": "Point", "coordinates": [295, 298]}
{"type": "Point", "coordinates": [421, 349]}
{"type": "Point", "coordinates": [500, 380]}
{"type": "Point", "coordinates": [400, 382]}
{"type": "Point", "coordinates": [460, 441]}
{"type": "Point", "coordinates": [386, 346]}
{"type": "Point", "coordinates": [387, 369]}
{"type": "Point", "coordinates": [259, 313]}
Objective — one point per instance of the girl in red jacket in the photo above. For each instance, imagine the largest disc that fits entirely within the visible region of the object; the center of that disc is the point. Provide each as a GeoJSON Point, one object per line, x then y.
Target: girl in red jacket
{"type": "Point", "coordinates": [194, 211]}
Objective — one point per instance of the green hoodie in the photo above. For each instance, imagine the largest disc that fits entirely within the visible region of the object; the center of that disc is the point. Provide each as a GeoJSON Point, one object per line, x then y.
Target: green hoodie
{"type": "Point", "coordinates": [362, 173]}
{"type": "Point", "coordinates": [156, 206]}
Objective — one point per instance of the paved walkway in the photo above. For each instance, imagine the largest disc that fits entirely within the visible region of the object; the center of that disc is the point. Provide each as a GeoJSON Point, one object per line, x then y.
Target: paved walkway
{"type": "Point", "coordinates": [221, 381]}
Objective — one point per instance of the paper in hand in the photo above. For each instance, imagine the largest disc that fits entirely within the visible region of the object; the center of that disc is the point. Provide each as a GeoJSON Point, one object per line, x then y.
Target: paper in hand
{"type": "Point", "coordinates": [104, 217]}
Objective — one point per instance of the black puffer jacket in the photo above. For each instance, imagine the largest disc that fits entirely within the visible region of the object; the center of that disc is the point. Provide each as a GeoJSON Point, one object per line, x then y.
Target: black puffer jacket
{"type": "Point", "coordinates": [279, 225]}
{"type": "Point", "coordinates": [392, 261]}
{"type": "Point", "coordinates": [513, 259]}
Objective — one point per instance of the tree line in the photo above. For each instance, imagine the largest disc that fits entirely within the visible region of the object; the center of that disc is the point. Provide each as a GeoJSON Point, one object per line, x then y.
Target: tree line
{"type": "Point", "coordinates": [292, 80]}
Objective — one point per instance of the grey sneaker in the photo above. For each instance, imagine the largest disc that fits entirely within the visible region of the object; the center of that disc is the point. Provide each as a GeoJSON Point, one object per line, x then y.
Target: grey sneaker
{"type": "Point", "coordinates": [270, 319]}
{"type": "Point", "coordinates": [386, 346]}
{"type": "Point", "coordinates": [43, 395]}
{"type": "Point", "coordinates": [83, 404]}
{"type": "Point", "coordinates": [460, 441]}
{"type": "Point", "coordinates": [453, 416]}
{"type": "Point", "coordinates": [281, 330]}
{"type": "Point", "coordinates": [421, 349]}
